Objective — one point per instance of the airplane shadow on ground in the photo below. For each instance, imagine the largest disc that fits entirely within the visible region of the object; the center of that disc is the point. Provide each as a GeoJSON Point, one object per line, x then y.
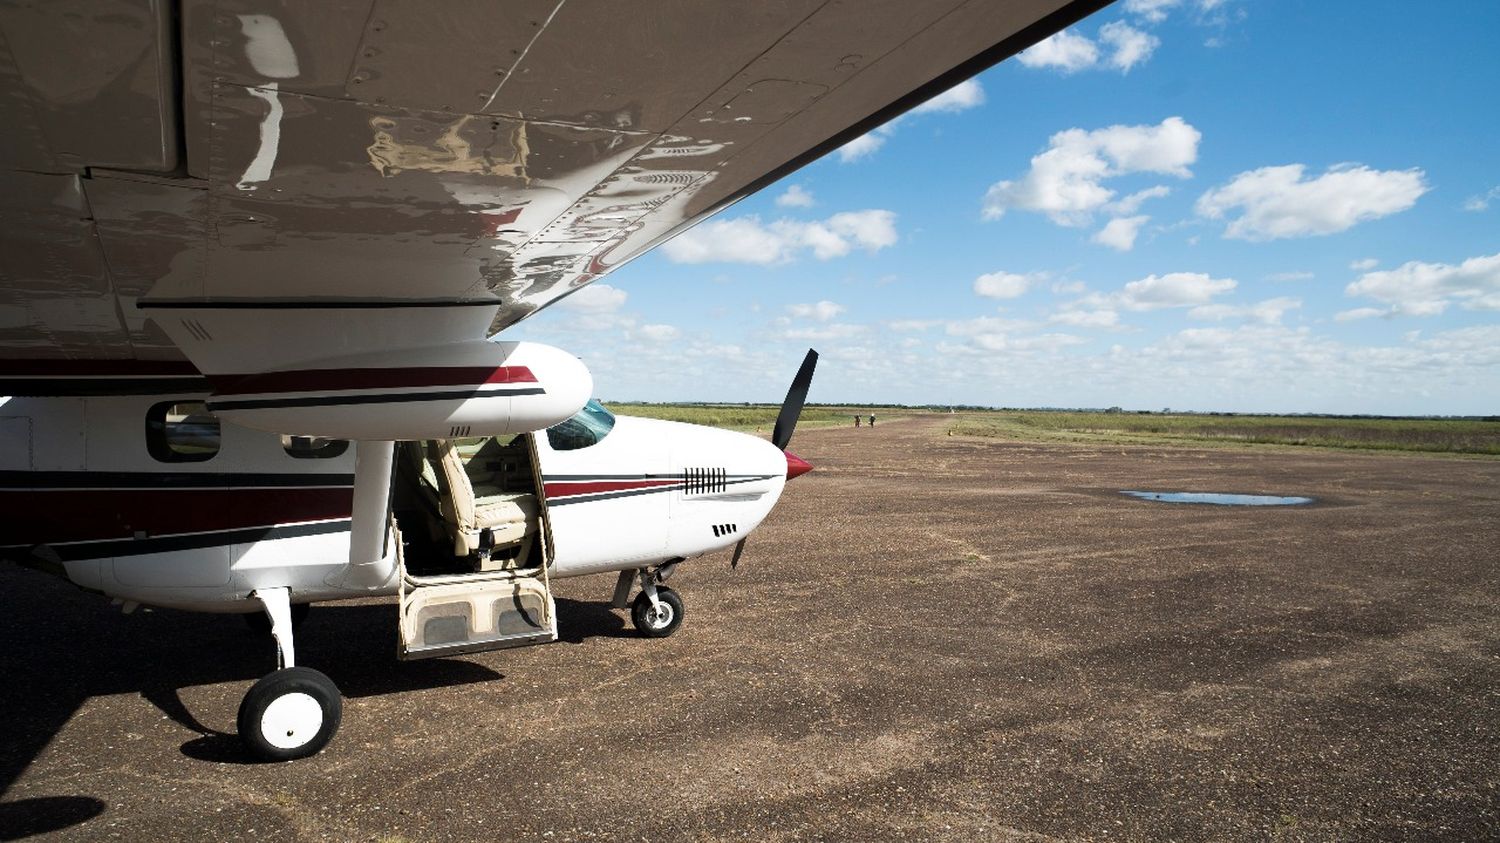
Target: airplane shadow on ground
{"type": "Point", "coordinates": [66, 646]}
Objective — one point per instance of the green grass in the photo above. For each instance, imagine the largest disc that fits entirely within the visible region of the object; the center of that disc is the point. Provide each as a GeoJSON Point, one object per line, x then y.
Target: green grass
{"type": "Point", "coordinates": [1458, 436]}
{"type": "Point", "coordinates": [759, 418]}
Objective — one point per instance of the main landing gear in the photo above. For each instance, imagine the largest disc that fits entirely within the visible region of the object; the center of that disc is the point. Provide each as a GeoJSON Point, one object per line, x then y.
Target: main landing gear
{"type": "Point", "coordinates": [293, 712]}
{"type": "Point", "coordinates": [657, 611]}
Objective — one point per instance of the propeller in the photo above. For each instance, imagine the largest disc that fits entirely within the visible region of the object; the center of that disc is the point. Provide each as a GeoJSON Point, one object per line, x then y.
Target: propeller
{"type": "Point", "coordinates": [786, 423]}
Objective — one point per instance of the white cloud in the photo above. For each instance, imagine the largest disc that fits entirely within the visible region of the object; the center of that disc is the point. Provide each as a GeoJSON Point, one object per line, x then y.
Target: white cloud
{"type": "Point", "coordinates": [1119, 233]}
{"type": "Point", "coordinates": [795, 197]}
{"type": "Point", "coordinates": [1132, 203]}
{"type": "Point", "coordinates": [1359, 313]}
{"type": "Point", "coordinates": [1064, 288]}
{"type": "Point", "coordinates": [1175, 289]}
{"type": "Point", "coordinates": [1103, 318]}
{"type": "Point", "coordinates": [1268, 312]}
{"type": "Point", "coordinates": [1154, 11]}
{"type": "Point", "coordinates": [1364, 264]}
{"type": "Point", "coordinates": [1066, 50]}
{"type": "Point", "coordinates": [1064, 182]}
{"type": "Point", "coordinates": [961, 97]}
{"type": "Point", "coordinates": [1482, 201]}
{"type": "Point", "coordinates": [1426, 289]}
{"type": "Point", "coordinates": [595, 299]}
{"type": "Point", "coordinates": [865, 145]}
{"type": "Point", "coordinates": [1131, 45]}
{"type": "Point", "coordinates": [1277, 202]}
{"type": "Point", "coordinates": [822, 311]}
{"type": "Point", "coordinates": [1006, 285]}
{"type": "Point", "coordinates": [1294, 275]}
{"type": "Point", "coordinates": [659, 333]}
{"type": "Point", "coordinates": [830, 331]}
{"type": "Point", "coordinates": [748, 240]}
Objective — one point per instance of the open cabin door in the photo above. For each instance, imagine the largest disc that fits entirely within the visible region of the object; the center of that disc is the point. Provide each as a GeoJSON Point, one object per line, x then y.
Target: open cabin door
{"type": "Point", "coordinates": [489, 589]}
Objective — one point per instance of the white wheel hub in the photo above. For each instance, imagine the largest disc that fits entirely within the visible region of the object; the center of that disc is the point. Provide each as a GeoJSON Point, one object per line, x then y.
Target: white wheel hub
{"type": "Point", "coordinates": [291, 720]}
{"type": "Point", "coordinates": [660, 615]}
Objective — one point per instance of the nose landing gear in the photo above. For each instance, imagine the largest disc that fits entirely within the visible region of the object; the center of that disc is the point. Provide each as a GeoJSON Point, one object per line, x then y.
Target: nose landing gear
{"type": "Point", "coordinates": [657, 611]}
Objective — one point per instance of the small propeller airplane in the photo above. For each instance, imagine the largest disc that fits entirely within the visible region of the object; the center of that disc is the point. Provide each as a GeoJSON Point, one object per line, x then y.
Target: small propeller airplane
{"type": "Point", "coordinates": [258, 258]}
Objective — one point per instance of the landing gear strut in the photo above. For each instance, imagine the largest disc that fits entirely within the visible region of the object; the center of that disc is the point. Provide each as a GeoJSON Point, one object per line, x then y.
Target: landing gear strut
{"type": "Point", "coordinates": [294, 712]}
{"type": "Point", "coordinates": [657, 611]}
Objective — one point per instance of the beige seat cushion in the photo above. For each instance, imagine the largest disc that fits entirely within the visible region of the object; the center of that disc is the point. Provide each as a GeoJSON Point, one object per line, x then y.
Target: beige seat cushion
{"type": "Point", "coordinates": [509, 517]}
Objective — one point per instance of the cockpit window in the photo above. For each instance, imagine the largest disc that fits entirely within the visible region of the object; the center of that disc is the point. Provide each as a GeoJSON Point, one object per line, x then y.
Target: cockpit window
{"type": "Point", "coordinates": [587, 427]}
{"type": "Point", "coordinates": [181, 431]}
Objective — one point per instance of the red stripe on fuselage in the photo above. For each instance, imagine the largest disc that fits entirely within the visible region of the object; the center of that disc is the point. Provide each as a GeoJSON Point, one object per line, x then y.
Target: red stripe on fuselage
{"type": "Point", "coordinates": [55, 516]}
{"type": "Point", "coordinates": [574, 488]}
{"type": "Point", "coordinates": [328, 380]}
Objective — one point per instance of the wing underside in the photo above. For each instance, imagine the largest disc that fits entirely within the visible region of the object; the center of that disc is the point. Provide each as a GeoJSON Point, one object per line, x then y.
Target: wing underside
{"type": "Point", "coordinates": [163, 163]}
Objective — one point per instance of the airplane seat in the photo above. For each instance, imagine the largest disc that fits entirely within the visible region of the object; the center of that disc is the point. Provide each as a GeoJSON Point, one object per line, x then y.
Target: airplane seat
{"type": "Point", "coordinates": [510, 517]}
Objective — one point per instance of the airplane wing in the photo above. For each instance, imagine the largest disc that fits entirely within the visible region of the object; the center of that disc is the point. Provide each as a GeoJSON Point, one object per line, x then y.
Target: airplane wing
{"type": "Point", "coordinates": [248, 183]}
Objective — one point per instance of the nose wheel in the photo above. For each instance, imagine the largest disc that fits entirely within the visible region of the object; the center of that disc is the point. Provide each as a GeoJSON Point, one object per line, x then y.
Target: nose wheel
{"type": "Point", "coordinates": [659, 618]}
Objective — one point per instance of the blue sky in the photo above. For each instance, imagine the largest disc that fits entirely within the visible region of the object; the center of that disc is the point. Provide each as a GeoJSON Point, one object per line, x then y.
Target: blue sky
{"type": "Point", "coordinates": [1234, 205]}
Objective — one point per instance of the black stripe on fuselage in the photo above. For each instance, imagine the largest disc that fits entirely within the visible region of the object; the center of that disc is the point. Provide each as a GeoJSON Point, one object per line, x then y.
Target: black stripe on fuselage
{"type": "Point", "coordinates": [166, 480]}
{"type": "Point", "coordinates": [389, 398]}
{"type": "Point", "coordinates": [65, 387]}
{"type": "Point", "coordinates": [193, 541]}
{"type": "Point", "coordinates": [630, 493]}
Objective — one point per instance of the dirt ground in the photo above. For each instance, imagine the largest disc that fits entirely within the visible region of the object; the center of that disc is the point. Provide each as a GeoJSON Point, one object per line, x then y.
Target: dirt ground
{"type": "Point", "coordinates": [931, 638]}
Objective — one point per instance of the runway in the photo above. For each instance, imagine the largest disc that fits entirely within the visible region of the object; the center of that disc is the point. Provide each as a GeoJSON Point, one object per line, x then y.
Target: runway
{"type": "Point", "coordinates": [931, 638]}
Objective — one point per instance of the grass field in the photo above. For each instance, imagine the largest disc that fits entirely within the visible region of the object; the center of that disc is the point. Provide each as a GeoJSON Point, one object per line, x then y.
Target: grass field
{"type": "Point", "coordinates": [752, 418]}
{"type": "Point", "coordinates": [1455, 436]}
{"type": "Point", "coordinates": [1458, 436]}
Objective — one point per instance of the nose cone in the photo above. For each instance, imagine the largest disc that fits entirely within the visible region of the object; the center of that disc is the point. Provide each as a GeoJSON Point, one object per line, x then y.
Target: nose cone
{"type": "Point", "coordinates": [796, 466]}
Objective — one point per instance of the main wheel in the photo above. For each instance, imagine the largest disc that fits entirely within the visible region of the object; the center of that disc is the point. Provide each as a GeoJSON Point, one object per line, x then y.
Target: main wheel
{"type": "Point", "coordinates": [657, 621]}
{"type": "Point", "coordinates": [289, 714]}
{"type": "Point", "coordinates": [260, 622]}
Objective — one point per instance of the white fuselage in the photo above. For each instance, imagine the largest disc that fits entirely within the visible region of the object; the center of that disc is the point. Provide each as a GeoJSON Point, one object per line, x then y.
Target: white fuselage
{"type": "Point", "coordinates": [84, 496]}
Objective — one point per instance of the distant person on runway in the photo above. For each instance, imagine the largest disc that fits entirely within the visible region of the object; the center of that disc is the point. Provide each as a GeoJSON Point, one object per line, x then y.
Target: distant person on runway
{"type": "Point", "coordinates": [856, 419]}
{"type": "Point", "coordinates": [872, 420]}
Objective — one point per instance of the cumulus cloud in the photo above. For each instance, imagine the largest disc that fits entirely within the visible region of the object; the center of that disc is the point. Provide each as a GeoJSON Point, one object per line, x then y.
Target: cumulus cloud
{"type": "Point", "coordinates": [1175, 289]}
{"type": "Point", "coordinates": [1268, 312]}
{"type": "Point", "coordinates": [1359, 313]}
{"type": "Point", "coordinates": [1363, 264]}
{"type": "Point", "coordinates": [1278, 202]}
{"type": "Point", "coordinates": [1120, 47]}
{"type": "Point", "coordinates": [795, 196]}
{"type": "Point", "coordinates": [1130, 46]}
{"type": "Point", "coordinates": [961, 97]}
{"type": "Point", "coordinates": [1066, 51]}
{"type": "Point", "coordinates": [1120, 233]}
{"type": "Point", "coordinates": [1006, 285]}
{"type": "Point", "coordinates": [595, 299]}
{"type": "Point", "coordinates": [659, 333]}
{"type": "Point", "coordinates": [1294, 275]}
{"type": "Point", "coordinates": [822, 311]}
{"type": "Point", "coordinates": [1065, 181]}
{"type": "Point", "coordinates": [1427, 289]}
{"type": "Point", "coordinates": [1154, 11]}
{"type": "Point", "coordinates": [1103, 318]}
{"type": "Point", "coordinates": [748, 240]}
{"type": "Point", "coordinates": [865, 145]}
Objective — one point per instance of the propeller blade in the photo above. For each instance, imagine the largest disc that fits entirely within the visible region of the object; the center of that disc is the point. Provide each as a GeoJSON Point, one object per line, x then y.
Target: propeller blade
{"type": "Point", "coordinates": [791, 408]}
{"type": "Point", "coordinates": [734, 561]}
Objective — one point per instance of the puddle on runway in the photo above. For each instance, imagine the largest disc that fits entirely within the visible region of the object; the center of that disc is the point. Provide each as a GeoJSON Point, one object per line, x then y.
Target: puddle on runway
{"type": "Point", "coordinates": [1219, 499]}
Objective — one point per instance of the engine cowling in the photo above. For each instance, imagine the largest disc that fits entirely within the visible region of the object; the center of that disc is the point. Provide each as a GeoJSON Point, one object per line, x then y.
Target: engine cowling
{"type": "Point", "coordinates": [468, 389]}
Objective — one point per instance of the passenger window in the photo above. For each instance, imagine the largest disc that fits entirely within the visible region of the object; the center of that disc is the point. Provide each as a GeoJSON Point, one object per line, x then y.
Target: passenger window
{"type": "Point", "coordinates": [314, 447]}
{"type": "Point", "coordinates": [587, 427]}
{"type": "Point", "coordinates": [181, 431]}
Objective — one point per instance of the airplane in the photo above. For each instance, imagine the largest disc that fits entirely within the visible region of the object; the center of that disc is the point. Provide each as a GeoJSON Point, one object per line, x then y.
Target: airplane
{"type": "Point", "coordinates": [262, 265]}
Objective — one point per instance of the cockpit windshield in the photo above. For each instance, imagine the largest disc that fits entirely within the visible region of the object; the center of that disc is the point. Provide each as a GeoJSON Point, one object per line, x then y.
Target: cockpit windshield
{"type": "Point", "coordinates": [587, 427]}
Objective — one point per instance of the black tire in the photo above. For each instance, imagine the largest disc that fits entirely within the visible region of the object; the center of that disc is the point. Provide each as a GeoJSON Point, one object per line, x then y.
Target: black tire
{"type": "Point", "coordinates": [292, 730]}
{"type": "Point", "coordinates": [261, 622]}
{"type": "Point", "coordinates": [650, 624]}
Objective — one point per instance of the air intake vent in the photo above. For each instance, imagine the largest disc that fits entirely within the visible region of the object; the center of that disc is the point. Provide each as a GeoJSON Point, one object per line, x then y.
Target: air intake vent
{"type": "Point", "coordinates": [703, 481]}
{"type": "Point", "coordinates": [721, 530]}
